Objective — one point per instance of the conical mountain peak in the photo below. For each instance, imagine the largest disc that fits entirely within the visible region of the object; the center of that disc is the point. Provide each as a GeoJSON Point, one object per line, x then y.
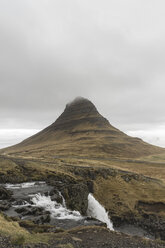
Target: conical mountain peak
{"type": "Point", "coordinates": [81, 103]}
{"type": "Point", "coordinates": [82, 131]}
{"type": "Point", "coordinates": [80, 111]}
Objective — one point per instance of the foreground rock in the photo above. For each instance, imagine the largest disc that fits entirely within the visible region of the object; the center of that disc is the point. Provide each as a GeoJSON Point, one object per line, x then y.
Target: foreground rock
{"type": "Point", "coordinates": [4, 205]}
{"type": "Point", "coordinates": [89, 237]}
{"type": "Point", "coordinates": [102, 237]}
{"type": "Point", "coordinates": [74, 193]}
{"type": "Point", "coordinates": [37, 214]}
{"type": "Point", "coordinates": [5, 194]}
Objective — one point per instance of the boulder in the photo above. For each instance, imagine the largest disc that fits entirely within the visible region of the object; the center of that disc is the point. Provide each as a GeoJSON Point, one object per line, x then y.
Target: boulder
{"type": "Point", "coordinates": [5, 194]}
{"type": "Point", "coordinates": [30, 210]}
{"type": "Point", "coordinates": [4, 205]}
{"type": "Point", "coordinates": [55, 196]}
{"type": "Point", "coordinates": [42, 219]}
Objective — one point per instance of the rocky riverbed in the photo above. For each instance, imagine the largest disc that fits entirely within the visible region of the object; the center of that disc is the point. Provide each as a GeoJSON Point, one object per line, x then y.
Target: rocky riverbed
{"type": "Point", "coordinates": [44, 204]}
{"type": "Point", "coordinates": [41, 203]}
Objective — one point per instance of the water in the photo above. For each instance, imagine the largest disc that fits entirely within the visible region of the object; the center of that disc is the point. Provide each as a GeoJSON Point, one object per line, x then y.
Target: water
{"type": "Point", "coordinates": [23, 191]}
{"type": "Point", "coordinates": [133, 230]}
{"type": "Point", "coordinates": [97, 211]}
{"type": "Point", "coordinates": [33, 194]}
{"type": "Point", "coordinates": [23, 185]}
{"type": "Point", "coordinates": [57, 210]}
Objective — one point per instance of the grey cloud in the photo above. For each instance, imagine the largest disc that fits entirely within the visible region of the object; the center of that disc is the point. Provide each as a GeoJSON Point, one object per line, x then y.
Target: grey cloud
{"type": "Point", "coordinates": [110, 52]}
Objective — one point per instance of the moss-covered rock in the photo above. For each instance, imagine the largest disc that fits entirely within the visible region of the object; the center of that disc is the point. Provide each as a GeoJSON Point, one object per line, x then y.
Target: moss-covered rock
{"type": "Point", "coordinates": [76, 196]}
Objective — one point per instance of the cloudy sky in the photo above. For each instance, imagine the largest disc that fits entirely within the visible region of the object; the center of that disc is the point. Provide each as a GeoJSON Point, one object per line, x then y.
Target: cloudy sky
{"type": "Point", "coordinates": [110, 51]}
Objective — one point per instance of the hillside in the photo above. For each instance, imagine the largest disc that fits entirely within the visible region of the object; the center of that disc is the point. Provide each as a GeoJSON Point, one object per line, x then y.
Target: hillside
{"type": "Point", "coordinates": [81, 131]}
{"type": "Point", "coordinates": [82, 153]}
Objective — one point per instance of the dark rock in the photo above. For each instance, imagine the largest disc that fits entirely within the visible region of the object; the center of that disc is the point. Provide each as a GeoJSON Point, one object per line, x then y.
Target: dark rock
{"type": "Point", "coordinates": [29, 210]}
{"type": "Point", "coordinates": [94, 222]}
{"type": "Point", "coordinates": [55, 196]}
{"type": "Point", "coordinates": [126, 178]}
{"type": "Point", "coordinates": [45, 218]}
{"type": "Point", "coordinates": [4, 205]}
{"type": "Point", "coordinates": [90, 186]}
{"type": "Point", "coordinates": [5, 194]}
{"type": "Point", "coordinates": [59, 180]}
{"type": "Point", "coordinates": [20, 202]}
{"type": "Point", "coordinates": [75, 193]}
{"type": "Point", "coordinates": [76, 197]}
{"type": "Point", "coordinates": [154, 224]}
{"type": "Point", "coordinates": [150, 218]}
{"type": "Point", "coordinates": [37, 214]}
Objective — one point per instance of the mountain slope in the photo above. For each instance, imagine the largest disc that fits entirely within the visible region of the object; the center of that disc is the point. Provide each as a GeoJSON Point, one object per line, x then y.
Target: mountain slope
{"type": "Point", "coordinates": [81, 131]}
{"type": "Point", "coordinates": [81, 149]}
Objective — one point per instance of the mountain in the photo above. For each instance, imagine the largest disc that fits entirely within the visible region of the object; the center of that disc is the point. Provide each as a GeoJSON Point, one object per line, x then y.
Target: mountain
{"type": "Point", "coordinates": [81, 131]}
{"type": "Point", "coordinates": [81, 153]}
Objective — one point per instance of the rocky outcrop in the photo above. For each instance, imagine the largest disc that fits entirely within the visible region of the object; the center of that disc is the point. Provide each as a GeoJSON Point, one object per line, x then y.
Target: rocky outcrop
{"type": "Point", "coordinates": [150, 217]}
{"type": "Point", "coordinates": [74, 193]}
{"type": "Point", "coordinates": [5, 205]}
{"type": "Point", "coordinates": [4, 193]}
{"type": "Point", "coordinates": [76, 197]}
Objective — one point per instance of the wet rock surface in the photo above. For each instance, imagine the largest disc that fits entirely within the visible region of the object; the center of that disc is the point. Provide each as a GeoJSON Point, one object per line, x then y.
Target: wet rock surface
{"type": "Point", "coordinates": [154, 224]}
{"type": "Point", "coordinates": [22, 206]}
{"type": "Point", "coordinates": [5, 194]}
{"type": "Point", "coordinates": [4, 205]}
{"type": "Point", "coordinates": [149, 225]}
{"type": "Point", "coordinates": [75, 195]}
{"type": "Point", "coordinates": [55, 196]}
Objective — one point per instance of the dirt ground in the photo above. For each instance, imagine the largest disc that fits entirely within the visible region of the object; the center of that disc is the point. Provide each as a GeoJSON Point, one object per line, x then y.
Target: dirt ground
{"type": "Point", "coordinates": [96, 237]}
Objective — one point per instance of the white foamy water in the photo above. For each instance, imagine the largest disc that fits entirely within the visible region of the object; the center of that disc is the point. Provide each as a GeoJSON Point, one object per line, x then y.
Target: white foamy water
{"type": "Point", "coordinates": [97, 211]}
{"type": "Point", "coordinates": [23, 185]}
{"type": "Point", "coordinates": [57, 210]}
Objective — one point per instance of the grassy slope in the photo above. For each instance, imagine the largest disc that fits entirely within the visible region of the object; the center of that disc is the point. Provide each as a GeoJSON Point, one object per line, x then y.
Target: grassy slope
{"type": "Point", "coordinates": [119, 195]}
{"type": "Point", "coordinates": [81, 130]}
{"type": "Point", "coordinates": [92, 143]}
{"type": "Point", "coordinates": [86, 236]}
{"type": "Point", "coordinates": [84, 143]}
{"type": "Point", "coordinates": [20, 235]}
{"type": "Point", "coordinates": [114, 192]}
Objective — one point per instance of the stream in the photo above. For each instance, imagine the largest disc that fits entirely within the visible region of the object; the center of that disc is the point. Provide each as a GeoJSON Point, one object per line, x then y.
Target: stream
{"type": "Point", "coordinates": [33, 201]}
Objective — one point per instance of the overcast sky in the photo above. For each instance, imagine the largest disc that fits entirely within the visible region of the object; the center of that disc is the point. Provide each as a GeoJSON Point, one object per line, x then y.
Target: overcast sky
{"type": "Point", "coordinates": [109, 51]}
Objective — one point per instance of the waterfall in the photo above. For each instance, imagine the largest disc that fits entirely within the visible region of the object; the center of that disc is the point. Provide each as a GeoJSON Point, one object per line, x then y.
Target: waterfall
{"type": "Point", "coordinates": [97, 211]}
{"type": "Point", "coordinates": [57, 210]}
{"type": "Point", "coordinates": [35, 190]}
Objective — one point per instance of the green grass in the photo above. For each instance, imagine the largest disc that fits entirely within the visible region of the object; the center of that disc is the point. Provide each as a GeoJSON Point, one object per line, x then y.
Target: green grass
{"type": "Point", "coordinates": [20, 235]}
